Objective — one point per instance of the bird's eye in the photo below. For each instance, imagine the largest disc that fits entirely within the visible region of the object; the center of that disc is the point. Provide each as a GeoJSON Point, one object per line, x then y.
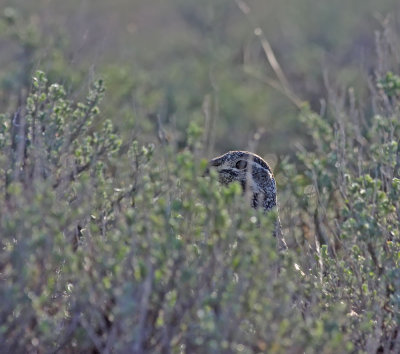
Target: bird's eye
{"type": "Point", "coordinates": [241, 164]}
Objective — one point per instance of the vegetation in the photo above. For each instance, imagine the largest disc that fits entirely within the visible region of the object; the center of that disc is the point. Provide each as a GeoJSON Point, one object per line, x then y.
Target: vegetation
{"type": "Point", "coordinates": [113, 240]}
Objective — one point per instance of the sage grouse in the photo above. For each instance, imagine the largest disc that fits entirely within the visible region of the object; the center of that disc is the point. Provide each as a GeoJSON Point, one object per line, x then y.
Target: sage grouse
{"type": "Point", "coordinates": [255, 177]}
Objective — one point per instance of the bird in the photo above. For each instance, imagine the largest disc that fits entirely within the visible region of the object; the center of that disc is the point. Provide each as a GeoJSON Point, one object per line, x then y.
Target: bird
{"type": "Point", "coordinates": [256, 178]}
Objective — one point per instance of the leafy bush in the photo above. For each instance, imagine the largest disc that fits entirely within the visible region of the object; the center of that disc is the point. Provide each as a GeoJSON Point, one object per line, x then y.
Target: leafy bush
{"type": "Point", "coordinates": [347, 208]}
{"type": "Point", "coordinates": [114, 246]}
{"type": "Point", "coordinates": [105, 247]}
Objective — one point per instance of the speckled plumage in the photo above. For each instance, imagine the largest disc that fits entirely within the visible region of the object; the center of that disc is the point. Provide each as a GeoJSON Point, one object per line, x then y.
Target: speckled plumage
{"type": "Point", "coordinates": [255, 176]}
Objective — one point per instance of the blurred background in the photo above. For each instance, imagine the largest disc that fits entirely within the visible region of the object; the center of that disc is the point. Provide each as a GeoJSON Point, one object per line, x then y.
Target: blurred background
{"type": "Point", "coordinates": [167, 63]}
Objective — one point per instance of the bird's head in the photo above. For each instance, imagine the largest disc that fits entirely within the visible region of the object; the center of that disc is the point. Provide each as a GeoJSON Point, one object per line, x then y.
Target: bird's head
{"type": "Point", "coordinates": [251, 171]}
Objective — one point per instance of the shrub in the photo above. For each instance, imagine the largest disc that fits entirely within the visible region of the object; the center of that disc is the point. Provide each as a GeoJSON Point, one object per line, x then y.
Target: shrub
{"type": "Point", "coordinates": [111, 246]}
{"type": "Point", "coordinates": [346, 206]}
{"type": "Point", "coordinates": [106, 247]}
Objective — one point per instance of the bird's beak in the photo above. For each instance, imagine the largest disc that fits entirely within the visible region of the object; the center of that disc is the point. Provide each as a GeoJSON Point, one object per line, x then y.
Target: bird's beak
{"type": "Point", "coordinates": [215, 162]}
{"type": "Point", "coordinates": [212, 163]}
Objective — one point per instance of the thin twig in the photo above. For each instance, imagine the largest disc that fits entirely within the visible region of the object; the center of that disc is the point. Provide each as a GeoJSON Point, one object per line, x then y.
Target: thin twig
{"type": "Point", "coordinates": [283, 84]}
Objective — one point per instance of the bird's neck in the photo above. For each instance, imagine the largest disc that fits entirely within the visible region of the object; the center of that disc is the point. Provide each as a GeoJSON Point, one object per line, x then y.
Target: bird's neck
{"type": "Point", "coordinates": [267, 202]}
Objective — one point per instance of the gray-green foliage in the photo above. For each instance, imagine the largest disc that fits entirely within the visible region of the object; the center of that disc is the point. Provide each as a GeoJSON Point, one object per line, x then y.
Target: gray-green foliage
{"type": "Point", "coordinates": [348, 202]}
{"type": "Point", "coordinates": [105, 246]}
{"type": "Point", "coordinates": [118, 247]}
